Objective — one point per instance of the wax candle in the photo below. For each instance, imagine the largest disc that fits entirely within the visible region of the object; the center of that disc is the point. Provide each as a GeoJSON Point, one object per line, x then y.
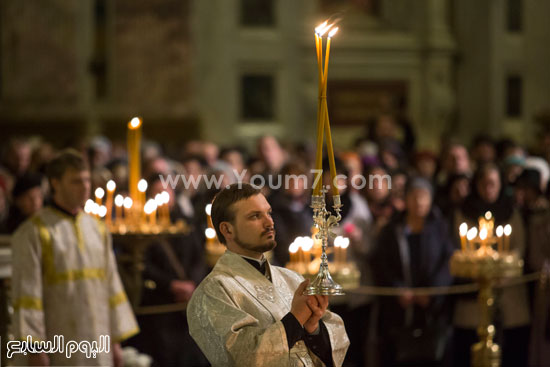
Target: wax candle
{"type": "Point", "coordinates": [470, 236]}
{"type": "Point", "coordinates": [119, 202]}
{"type": "Point", "coordinates": [150, 210]}
{"type": "Point", "coordinates": [88, 206]}
{"type": "Point", "coordinates": [500, 232]}
{"type": "Point", "coordinates": [307, 244]}
{"type": "Point", "coordinates": [128, 204]}
{"type": "Point", "coordinates": [134, 158]}
{"type": "Point", "coordinates": [337, 250]}
{"type": "Point", "coordinates": [344, 249]}
{"type": "Point", "coordinates": [111, 187]}
{"type": "Point", "coordinates": [463, 231]}
{"type": "Point", "coordinates": [99, 193]}
{"type": "Point", "coordinates": [292, 250]}
{"type": "Point", "coordinates": [210, 235]}
{"type": "Point", "coordinates": [507, 233]}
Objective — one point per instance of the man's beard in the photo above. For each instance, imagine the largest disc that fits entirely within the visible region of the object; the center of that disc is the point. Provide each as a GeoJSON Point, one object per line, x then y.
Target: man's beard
{"type": "Point", "coordinates": [265, 247]}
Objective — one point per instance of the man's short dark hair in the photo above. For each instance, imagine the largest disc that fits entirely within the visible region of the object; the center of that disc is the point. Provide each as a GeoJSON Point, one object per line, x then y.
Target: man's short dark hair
{"type": "Point", "coordinates": [222, 206]}
{"type": "Point", "coordinates": [65, 160]}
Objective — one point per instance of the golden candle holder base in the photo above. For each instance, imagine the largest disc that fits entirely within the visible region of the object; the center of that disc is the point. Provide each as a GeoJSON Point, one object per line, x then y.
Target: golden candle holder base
{"type": "Point", "coordinates": [486, 266]}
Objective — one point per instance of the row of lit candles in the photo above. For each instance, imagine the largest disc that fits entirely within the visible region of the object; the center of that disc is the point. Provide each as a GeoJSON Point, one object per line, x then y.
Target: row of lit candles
{"type": "Point", "coordinates": [302, 249]}
{"type": "Point", "coordinates": [127, 211]}
{"type": "Point", "coordinates": [484, 236]}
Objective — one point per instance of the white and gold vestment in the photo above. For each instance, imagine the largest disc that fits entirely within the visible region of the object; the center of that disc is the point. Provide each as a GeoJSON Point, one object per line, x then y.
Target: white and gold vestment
{"type": "Point", "coordinates": [65, 282]}
{"type": "Point", "coordinates": [235, 318]}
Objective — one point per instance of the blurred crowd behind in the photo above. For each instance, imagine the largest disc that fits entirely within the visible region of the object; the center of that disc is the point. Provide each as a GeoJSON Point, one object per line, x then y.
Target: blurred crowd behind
{"type": "Point", "coordinates": [430, 193]}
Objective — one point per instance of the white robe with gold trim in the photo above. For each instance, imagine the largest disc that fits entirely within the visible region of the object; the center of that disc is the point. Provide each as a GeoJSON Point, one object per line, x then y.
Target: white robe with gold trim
{"type": "Point", "coordinates": [235, 318]}
{"type": "Point", "coordinates": [65, 282]}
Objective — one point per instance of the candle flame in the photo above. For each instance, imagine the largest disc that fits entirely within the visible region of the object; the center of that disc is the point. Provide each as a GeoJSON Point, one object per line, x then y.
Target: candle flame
{"type": "Point", "coordinates": [142, 185]}
{"type": "Point", "coordinates": [95, 209]}
{"type": "Point", "coordinates": [307, 243]}
{"type": "Point", "coordinates": [463, 229]}
{"type": "Point", "coordinates": [345, 243]}
{"type": "Point", "coordinates": [128, 202]}
{"type": "Point", "coordinates": [483, 234]}
{"type": "Point", "coordinates": [111, 186]}
{"type": "Point", "coordinates": [324, 30]}
{"type": "Point", "coordinates": [134, 123]}
{"type": "Point", "coordinates": [499, 231]}
{"type": "Point", "coordinates": [165, 197]}
{"type": "Point", "coordinates": [150, 206]}
{"type": "Point", "coordinates": [99, 193]}
{"type": "Point", "coordinates": [321, 26]}
{"type": "Point", "coordinates": [332, 32]}
{"type": "Point", "coordinates": [472, 233]}
{"type": "Point", "coordinates": [507, 230]}
{"type": "Point", "coordinates": [488, 215]}
{"type": "Point", "coordinates": [293, 248]}
{"type": "Point", "coordinates": [102, 211]}
{"type": "Point", "coordinates": [158, 199]}
{"type": "Point", "coordinates": [341, 241]}
{"type": "Point", "coordinates": [119, 200]}
{"type": "Point", "coordinates": [208, 209]}
{"type": "Point", "coordinates": [88, 207]}
{"type": "Point", "coordinates": [210, 233]}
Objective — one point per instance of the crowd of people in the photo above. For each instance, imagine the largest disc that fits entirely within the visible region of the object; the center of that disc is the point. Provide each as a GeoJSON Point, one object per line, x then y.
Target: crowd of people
{"type": "Point", "coordinates": [402, 230]}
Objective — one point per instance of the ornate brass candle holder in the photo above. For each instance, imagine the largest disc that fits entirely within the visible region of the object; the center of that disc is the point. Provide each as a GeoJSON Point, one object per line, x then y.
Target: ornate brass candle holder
{"type": "Point", "coordinates": [479, 261]}
{"type": "Point", "coordinates": [323, 284]}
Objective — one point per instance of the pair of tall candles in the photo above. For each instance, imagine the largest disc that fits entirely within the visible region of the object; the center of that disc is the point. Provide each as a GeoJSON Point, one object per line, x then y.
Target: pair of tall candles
{"type": "Point", "coordinates": [323, 123]}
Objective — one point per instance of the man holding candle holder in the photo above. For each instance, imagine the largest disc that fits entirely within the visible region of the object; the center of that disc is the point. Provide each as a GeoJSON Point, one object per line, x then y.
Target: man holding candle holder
{"type": "Point", "coordinates": [65, 279]}
{"type": "Point", "coordinates": [249, 313]}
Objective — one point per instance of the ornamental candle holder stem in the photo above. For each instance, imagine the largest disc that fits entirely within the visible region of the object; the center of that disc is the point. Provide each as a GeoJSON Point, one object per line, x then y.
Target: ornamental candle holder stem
{"type": "Point", "coordinates": [486, 258]}
{"type": "Point", "coordinates": [323, 284]}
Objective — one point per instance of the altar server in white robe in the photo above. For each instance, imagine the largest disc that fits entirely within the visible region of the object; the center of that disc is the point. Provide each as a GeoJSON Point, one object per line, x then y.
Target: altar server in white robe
{"type": "Point", "coordinates": [247, 312]}
{"type": "Point", "coordinates": [65, 279]}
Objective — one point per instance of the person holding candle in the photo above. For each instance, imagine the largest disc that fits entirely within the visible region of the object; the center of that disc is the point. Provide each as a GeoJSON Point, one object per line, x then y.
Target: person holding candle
{"type": "Point", "coordinates": [248, 312]}
{"type": "Point", "coordinates": [413, 250]}
{"type": "Point", "coordinates": [513, 308]}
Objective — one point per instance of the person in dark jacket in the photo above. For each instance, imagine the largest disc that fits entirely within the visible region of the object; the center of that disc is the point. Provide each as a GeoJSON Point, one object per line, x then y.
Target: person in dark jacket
{"type": "Point", "coordinates": [413, 250]}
